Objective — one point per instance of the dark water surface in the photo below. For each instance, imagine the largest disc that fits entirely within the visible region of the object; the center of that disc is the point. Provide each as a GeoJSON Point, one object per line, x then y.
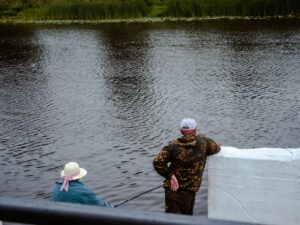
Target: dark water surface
{"type": "Point", "coordinates": [109, 96]}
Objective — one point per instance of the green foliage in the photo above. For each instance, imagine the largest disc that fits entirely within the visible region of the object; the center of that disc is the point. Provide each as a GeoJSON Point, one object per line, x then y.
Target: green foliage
{"type": "Point", "coordinates": [199, 8]}
{"type": "Point", "coordinates": [116, 9]}
{"type": "Point", "coordinates": [90, 10]}
{"type": "Point", "coordinates": [157, 11]}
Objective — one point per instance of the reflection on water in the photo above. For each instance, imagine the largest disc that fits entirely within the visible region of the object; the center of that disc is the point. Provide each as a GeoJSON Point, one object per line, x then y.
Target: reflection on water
{"type": "Point", "coordinates": [111, 95]}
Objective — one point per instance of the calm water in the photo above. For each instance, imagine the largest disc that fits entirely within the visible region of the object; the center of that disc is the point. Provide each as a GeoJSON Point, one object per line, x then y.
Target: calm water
{"type": "Point", "coordinates": [109, 96]}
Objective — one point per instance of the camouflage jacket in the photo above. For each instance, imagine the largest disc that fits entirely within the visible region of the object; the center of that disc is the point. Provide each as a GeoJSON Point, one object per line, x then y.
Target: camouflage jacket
{"type": "Point", "coordinates": [185, 157]}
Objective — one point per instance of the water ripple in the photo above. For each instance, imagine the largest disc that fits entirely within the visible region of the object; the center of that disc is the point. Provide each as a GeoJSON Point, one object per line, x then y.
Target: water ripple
{"type": "Point", "coordinates": [111, 96]}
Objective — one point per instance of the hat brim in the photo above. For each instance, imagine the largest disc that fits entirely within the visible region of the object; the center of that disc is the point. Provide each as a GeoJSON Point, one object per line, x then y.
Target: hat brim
{"type": "Point", "coordinates": [81, 174]}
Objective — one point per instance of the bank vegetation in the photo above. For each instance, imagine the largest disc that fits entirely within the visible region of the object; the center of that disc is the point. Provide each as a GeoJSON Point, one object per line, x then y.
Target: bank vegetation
{"type": "Point", "coordinates": [128, 9]}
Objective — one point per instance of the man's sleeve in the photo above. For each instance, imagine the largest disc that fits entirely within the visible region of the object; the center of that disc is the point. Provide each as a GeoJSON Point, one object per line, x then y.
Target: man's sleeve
{"type": "Point", "coordinates": [161, 160]}
{"type": "Point", "coordinates": [103, 203]}
{"type": "Point", "coordinates": [212, 147]}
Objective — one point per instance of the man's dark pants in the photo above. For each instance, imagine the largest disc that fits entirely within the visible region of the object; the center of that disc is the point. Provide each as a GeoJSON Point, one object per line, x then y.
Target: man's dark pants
{"type": "Point", "coordinates": [179, 202]}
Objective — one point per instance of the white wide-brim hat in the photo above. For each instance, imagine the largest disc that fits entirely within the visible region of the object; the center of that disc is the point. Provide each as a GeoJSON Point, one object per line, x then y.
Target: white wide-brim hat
{"type": "Point", "coordinates": [73, 170]}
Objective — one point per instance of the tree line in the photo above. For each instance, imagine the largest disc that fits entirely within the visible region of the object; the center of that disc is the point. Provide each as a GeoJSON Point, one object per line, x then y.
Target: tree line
{"type": "Point", "coordinates": [125, 9]}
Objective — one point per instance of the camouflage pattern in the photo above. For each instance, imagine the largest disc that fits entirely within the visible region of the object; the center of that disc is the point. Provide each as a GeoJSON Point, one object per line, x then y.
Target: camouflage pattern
{"type": "Point", "coordinates": [185, 157]}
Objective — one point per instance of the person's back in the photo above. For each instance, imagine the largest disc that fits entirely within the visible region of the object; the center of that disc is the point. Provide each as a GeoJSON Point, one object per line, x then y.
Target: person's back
{"type": "Point", "coordinates": [72, 190]}
{"type": "Point", "coordinates": [188, 157]}
{"type": "Point", "coordinates": [182, 162]}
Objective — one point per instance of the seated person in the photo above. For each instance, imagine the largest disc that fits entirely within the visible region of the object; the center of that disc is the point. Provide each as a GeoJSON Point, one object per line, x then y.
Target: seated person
{"type": "Point", "coordinates": [71, 189]}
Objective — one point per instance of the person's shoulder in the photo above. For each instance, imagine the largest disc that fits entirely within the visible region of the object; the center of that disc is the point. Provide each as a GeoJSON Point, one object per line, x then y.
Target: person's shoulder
{"type": "Point", "coordinates": [77, 183]}
{"type": "Point", "coordinates": [57, 184]}
{"type": "Point", "coordinates": [172, 142]}
{"type": "Point", "coordinates": [56, 188]}
{"type": "Point", "coordinates": [204, 138]}
{"type": "Point", "coordinates": [77, 187]}
{"type": "Point", "coordinates": [201, 136]}
{"type": "Point", "coordinates": [83, 188]}
{"type": "Point", "coordinates": [81, 191]}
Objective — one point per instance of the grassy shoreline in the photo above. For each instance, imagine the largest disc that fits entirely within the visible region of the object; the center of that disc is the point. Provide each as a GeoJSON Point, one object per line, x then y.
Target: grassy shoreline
{"type": "Point", "coordinates": [140, 10]}
{"type": "Point", "coordinates": [141, 20]}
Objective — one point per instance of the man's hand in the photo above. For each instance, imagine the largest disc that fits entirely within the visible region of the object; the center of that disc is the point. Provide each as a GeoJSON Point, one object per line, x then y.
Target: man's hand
{"type": "Point", "coordinates": [174, 183]}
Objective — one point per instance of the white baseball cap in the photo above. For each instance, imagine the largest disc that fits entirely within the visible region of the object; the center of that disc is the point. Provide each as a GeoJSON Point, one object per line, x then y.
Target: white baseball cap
{"type": "Point", "coordinates": [188, 124]}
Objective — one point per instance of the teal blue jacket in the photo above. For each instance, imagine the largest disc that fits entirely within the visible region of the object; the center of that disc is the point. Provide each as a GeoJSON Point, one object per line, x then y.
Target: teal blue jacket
{"type": "Point", "coordinates": [77, 193]}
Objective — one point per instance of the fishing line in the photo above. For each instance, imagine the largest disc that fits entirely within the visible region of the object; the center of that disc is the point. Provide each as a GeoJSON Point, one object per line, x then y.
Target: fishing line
{"type": "Point", "coordinates": [136, 196]}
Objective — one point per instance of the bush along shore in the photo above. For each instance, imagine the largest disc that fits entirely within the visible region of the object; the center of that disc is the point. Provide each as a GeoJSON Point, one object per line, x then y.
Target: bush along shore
{"type": "Point", "coordinates": [110, 10]}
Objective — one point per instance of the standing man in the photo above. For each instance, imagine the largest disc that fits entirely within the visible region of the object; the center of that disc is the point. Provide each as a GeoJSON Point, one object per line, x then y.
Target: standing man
{"type": "Point", "coordinates": [182, 163]}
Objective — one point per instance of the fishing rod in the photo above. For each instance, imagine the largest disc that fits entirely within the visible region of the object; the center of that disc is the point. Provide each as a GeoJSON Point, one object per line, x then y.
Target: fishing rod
{"type": "Point", "coordinates": [136, 196]}
{"type": "Point", "coordinates": [140, 194]}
